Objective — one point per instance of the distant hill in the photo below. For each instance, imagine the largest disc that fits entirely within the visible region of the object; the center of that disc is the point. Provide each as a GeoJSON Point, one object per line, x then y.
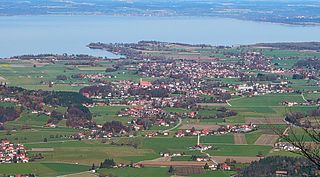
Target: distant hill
{"type": "Point", "coordinates": [295, 12]}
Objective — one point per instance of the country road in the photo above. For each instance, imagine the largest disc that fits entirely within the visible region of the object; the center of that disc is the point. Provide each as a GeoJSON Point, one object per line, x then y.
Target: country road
{"type": "Point", "coordinates": [304, 99]}
{"type": "Point", "coordinates": [179, 123]}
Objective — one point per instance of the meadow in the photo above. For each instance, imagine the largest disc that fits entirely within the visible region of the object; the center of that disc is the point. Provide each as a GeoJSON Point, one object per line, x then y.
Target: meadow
{"type": "Point", "coordinates": [157, 172]}
{"type": "Point", "coordinates": [42, 169]}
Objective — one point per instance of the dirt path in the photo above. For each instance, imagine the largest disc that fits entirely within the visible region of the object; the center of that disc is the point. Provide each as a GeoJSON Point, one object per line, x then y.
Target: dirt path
{"type": "Point", "coordinates": [239, 138]}
{"type": "Point", "coordinates": [265, 139]}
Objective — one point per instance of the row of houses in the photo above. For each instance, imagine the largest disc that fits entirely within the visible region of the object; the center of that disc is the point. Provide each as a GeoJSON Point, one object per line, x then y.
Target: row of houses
{"type": "Point", "coordinates": [12, 153]}
{"type": "Point", "coordinates": [223, 129]}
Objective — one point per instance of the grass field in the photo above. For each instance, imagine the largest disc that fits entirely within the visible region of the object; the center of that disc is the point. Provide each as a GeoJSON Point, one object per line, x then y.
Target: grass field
{"type": "Point", "coordinates": [288, 53]}
{"type": "Point", "coordinates": [135, 172]}
{"type": "Point", "coordinates": [88, 152]}
{"type": "Point", "coordinates": [107, 113]}
{"type": "Point", "coordinates": [238, 150]}
{"type": "Point", "coordinates": [42, 169]}
{"type": "Point", "coordinates": [270, 100]}
{"type": "Point", "coordinates": [157, 172]}
{"type": "Point", "coordinates": [27, 118]}
{"type": "Point", "coordinates": [38, 135]}
{"type": "Point", "coordinates": [252, 136]}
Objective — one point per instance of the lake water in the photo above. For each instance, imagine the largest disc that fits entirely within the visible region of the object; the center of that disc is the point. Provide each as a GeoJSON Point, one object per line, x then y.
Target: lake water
{"type": "Point", "coordinates": [70, 34]}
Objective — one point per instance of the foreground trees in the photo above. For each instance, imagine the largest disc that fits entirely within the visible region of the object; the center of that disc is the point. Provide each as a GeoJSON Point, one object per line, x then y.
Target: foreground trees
{"type": "Point", "coordinates": [270, 166]}
{"type": "Point", "coordinates": [304, 133]}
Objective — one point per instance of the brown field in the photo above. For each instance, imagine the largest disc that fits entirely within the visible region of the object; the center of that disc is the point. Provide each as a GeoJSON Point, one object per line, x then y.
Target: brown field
{"type": "Point", "coordinates": [238, 159]}
{"type": "Point", "coordinates": [212, 104]}
{"type": "Point", "coordinates": [189, 171]}
{"type": "Point", "coordinates": [272, 121]}
{"type": "Point", "coordinates": [151, 163]}
{"type": "Point", "coordinates": [199, 126]}
{"type": "Point", "coordinates": [265, 139]}
{"type": "Point", "coordinates": [239, 138]}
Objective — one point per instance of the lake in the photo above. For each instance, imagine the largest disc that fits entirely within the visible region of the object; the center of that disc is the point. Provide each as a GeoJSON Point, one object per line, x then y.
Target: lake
{"type": "Point", "coordinates": [70, 34]}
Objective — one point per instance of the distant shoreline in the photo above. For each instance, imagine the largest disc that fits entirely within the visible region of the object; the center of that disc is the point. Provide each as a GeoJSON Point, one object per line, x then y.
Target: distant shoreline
{"type": "Point", "coordinates": [300, 24]}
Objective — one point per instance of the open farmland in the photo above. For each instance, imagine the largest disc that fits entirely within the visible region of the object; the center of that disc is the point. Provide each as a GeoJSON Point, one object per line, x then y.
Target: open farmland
{"type": "Point", "coordinates": [91, 152]}
{"type": "Point", "coordinates": [42, 169]}
{"type": "Point", "coordinates": [269, 100]}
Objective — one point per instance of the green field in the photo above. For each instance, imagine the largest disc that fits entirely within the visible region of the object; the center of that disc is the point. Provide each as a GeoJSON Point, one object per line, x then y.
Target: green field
{"type": "Point", "coordinates": [88, 152]}
{"type": "Point", "coordinates": [157, 172]}
{"type": "Point", "coordinates": [269, 100]}
{"type": "Point", "coordinates": [238, 150]}
{"type": "Point", "coordinates": [107, 113]}
{"type": "Point", "coordinates": [42, 169]}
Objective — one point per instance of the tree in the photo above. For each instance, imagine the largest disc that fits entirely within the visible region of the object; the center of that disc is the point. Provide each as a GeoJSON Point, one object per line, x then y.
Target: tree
{"type": "Point", "coordinates": [206, 166]}
{"type": "Point", "coordinates": [108, 163]}
{"type": "Point", "coordinates": [171, 169]}
{"type": "Point", "coordinates": [93, 167]}
{"type": "Point", "coordinates": [45, 140]}
{"type": "Point", "coordinates": [267, 166]}
{"type": "Point", "coordinates": [62, 77]}
{"type": "Point", "coordinates": [301, 140]}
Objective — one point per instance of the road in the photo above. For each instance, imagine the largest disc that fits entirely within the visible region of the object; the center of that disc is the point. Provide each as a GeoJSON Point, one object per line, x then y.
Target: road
{"type": "Point", "coordinates": [179, 123]}
{"type": "Point", "coordinates": [304, 99]}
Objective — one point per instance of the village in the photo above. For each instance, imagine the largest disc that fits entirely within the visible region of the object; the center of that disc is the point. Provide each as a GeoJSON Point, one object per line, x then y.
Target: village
{"type": "Point", "coordinates": [12, 153]}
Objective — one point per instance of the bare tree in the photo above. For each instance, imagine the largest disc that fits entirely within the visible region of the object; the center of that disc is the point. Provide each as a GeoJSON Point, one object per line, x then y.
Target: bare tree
{"type": "Point", "coordinates": [304, 136]}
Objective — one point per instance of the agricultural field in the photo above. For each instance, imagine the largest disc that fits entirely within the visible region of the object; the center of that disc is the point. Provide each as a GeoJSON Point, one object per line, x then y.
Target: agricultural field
{"type": "Point", "coordinates": [42, 169]}
{"type": "Point", "coordinates": [156, 172]}
{"type": "Point", "coordinates": [108, 113]}
{"type": "Point", "coordinates": [89, 152]}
